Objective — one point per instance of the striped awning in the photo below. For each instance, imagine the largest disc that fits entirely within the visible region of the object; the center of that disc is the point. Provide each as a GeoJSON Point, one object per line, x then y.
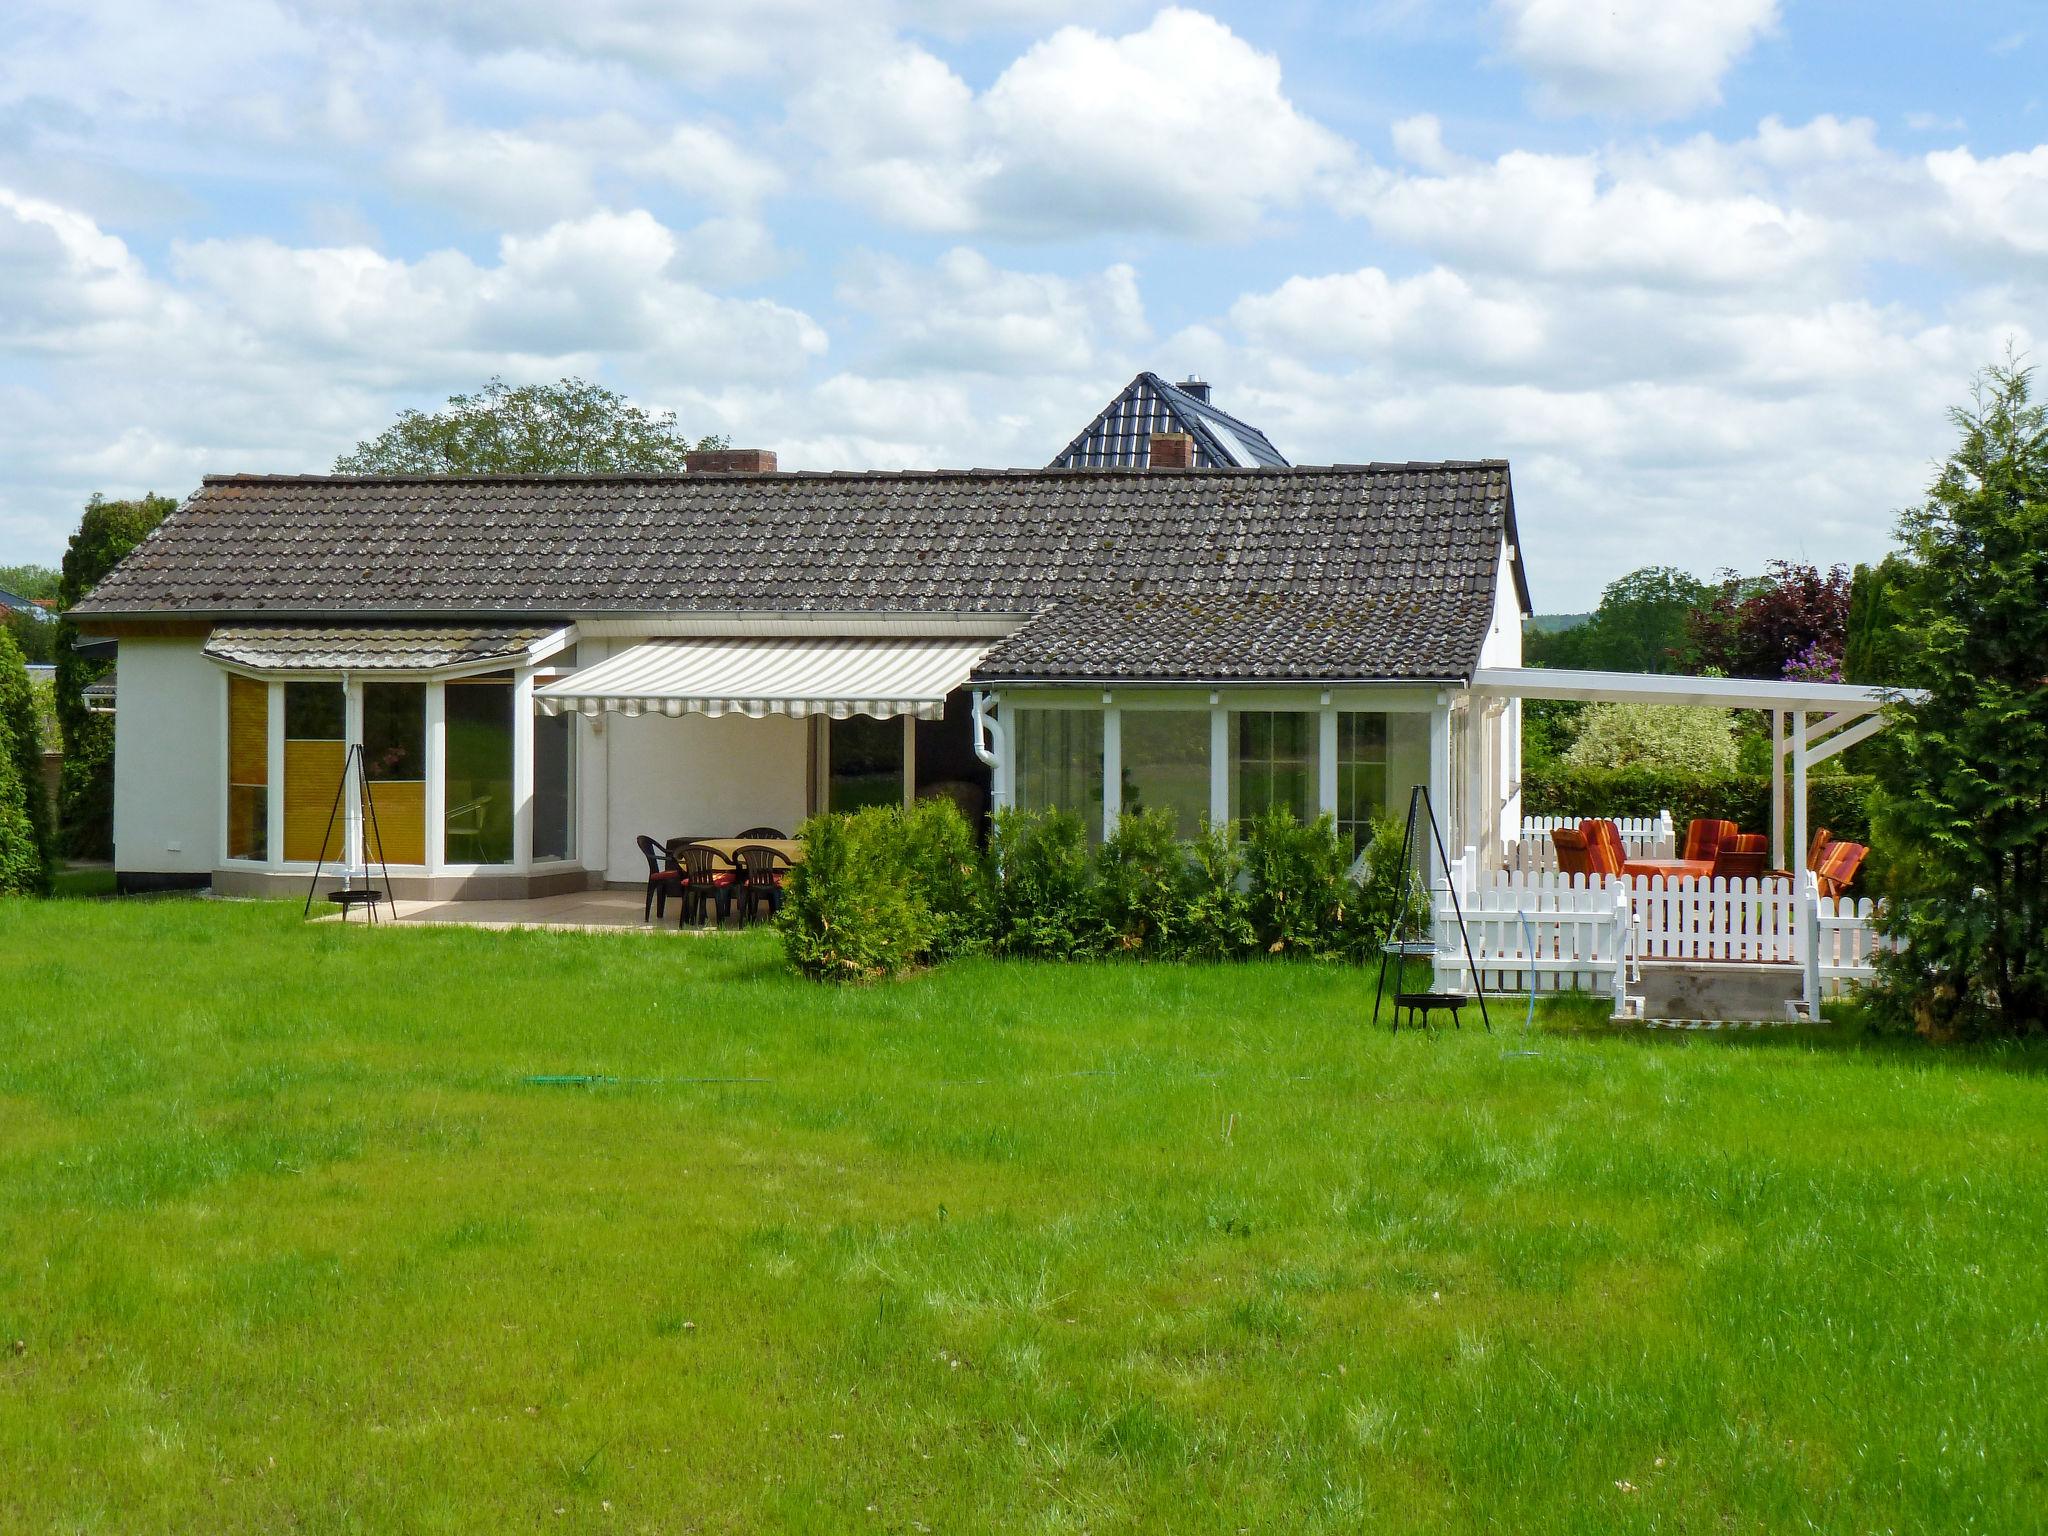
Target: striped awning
{"type": "Point", "coordinates": [791, 676]}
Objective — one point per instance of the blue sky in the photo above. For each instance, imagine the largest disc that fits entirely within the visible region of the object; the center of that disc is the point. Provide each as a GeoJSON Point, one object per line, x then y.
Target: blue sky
{"type": "Point", "coordinates": [1707, 272]}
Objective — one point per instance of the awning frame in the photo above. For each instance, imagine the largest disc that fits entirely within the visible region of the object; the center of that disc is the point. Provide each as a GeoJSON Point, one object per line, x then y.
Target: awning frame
{"type": "Point", "coordinates": [884, 678]}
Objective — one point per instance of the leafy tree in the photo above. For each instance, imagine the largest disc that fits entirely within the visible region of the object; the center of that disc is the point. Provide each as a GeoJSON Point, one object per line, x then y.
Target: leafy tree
{"type": "Point", "coordinates": [107, 531]}
{"type": "Point", "coordinates": [1792, 621]}
{"type": "Point", "coordinates": [571, 427]}
{"type": "Point", "coordinates": [37, 582]}
{"type": "Point", "coordinates": [25, 853]}
{"type": "Point", "coordinates": [1962, 803]}
{"type": "Point", "coordinates": [1640, 626]}
{"type": "Point", "coordinates": [1674, 736]}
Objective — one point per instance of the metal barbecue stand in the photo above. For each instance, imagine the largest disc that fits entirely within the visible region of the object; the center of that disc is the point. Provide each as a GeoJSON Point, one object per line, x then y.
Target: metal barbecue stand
{"type": "Point", "coordinates": [348, 895]}
{"type": "Point", "coordinates": [1402, 944]}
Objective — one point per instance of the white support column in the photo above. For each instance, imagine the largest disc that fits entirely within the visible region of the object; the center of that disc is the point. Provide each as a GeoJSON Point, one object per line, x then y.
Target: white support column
{"type": "Point", "coordinates": [353, 789]}
{"type": "Point", "coordinates": [1440, 790]}
{"type": "Point", "coordinates": [1778, 791]}
{"type": "Point", "coordinates": [522, 770]}
{"type": "Point", "coordinates": [273, 769]}
{"type": "Point", "coordinates": [1219, 761]}
{"type": "Point", "coordinates": [1799, 765]}
{"type": "Point", "coordinates": [1112, 765]}
{"type": "Point", "coordinates": [1326, 759]}
{"type": "Point", "coordinates": [436, 798]}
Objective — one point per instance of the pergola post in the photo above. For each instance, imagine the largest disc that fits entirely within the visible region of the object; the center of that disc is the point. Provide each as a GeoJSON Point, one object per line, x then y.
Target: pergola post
{"type": "Point", "coordinates": [1778, 790]}
{"type": "Point", "coordinates": [1800, 754]}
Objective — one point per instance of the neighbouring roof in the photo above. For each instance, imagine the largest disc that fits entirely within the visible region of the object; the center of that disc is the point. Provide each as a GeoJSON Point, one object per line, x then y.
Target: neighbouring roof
{"type": "Point", "coordinates": [1120, 437]}
{"type": "Point", "coordinates": [366, 647]}
{"type": "Point", "coordinates": [14, 602]}
{"type": "Point", "coordinates": [1353, 546]}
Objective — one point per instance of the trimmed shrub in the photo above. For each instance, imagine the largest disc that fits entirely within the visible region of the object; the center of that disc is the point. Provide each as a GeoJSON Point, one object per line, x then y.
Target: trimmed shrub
{"type": "Point", "coordinates": [21, 742]}
{"type": "Point", "coordinates": [1141, 886]}
{"type": "Point", "coordinates": [1301, 895]}
{"type": "Point", "coordinates": [1216, 923]}
{"type": "Point", "coordinates": [848, 911]}
{"type": "Point", "coordinates": [1043, 902]}
{"type": "Point", "coordinates": [946, 875]}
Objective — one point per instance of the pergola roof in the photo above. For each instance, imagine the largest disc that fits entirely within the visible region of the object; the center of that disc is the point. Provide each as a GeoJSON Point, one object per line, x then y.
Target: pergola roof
{"type": "Point", "coordinates": [1788, 694]}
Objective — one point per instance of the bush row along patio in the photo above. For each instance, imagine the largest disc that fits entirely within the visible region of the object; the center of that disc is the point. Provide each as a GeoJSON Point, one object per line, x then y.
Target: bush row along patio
{"type": "Point", "coordinates": [289, 1237]}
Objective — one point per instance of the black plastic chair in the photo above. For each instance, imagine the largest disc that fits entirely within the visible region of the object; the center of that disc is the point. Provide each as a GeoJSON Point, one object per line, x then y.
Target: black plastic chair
{"type": "Point", "coordinates": [775, 833]}
{"type": "Point", "coordinates": [664, 878]}
{"type": "Point", "coordinates": [761, 872]}
{"type": "Point", "coordinates": [706, 878]}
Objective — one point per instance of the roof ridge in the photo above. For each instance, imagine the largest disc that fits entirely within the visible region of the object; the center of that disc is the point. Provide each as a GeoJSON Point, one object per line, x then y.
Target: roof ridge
{"type": "Point", "coordinates": [656, 477]}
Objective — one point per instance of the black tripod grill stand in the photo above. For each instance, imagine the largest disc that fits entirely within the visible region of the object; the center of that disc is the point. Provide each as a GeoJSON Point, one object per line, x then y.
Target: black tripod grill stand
{"type": "Point", "coordinates": [1401, 948]}
{"type": "Point", "coordinates": [348, 895]}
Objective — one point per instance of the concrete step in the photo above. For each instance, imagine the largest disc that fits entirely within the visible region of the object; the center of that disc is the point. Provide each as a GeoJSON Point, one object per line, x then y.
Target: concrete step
{"type": "Point", "coordinates": [1708, 992]}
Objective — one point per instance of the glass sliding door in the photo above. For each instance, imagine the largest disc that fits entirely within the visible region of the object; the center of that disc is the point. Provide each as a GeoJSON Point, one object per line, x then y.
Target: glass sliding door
{"type": "Point", "coordinates": [554, 786]}
{"type": "Point", "coordinates": [866, 763]}
{"type": "Point", "coordinates": [395, 767]}
{"type": "Point", "coordinates": [1361, 775]}
{"type": "Point", "coordinates": [476, 774]}
{"type": "Point", "coordinates": [1273, 763]}
{"type": "Point", "coordinates": [314, 715]}
{"type": "Point", "coordinates": [1058, 757]}
{"type": "Point", "coordinates": [1166, 764]}
{"type": "Point", "coordinates": [248, 769]}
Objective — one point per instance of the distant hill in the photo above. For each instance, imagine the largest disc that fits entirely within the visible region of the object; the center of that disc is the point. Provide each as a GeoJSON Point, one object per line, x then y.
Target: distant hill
{"type": "Point", "coordinates": [1555, 623]}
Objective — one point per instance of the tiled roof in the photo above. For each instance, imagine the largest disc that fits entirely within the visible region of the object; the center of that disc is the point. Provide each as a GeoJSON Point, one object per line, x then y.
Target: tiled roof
{"type": "Point", "coordinates": [991, 542]}
{"type": "Point", "coordinates": [1120, 436]}
{"type": "Point", "coordinates": [1224, 637]}
{"type": "Point", "coordinates": [365, 647]}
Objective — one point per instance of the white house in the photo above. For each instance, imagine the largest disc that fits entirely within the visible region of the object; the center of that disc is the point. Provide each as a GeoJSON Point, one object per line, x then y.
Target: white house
{"type": "Point", "coordinates": [540, 668]}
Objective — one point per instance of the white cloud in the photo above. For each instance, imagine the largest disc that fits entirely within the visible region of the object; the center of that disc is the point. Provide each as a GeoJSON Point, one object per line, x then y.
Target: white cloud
{"type": "Point", "coordinates": [500, 175]}
{"type": "Point", "coordinates": [966, 315]}
{"type": "Point", "coordinates": [1657, 58]}
{"type": "Point", "coordinates": [1181, 127]}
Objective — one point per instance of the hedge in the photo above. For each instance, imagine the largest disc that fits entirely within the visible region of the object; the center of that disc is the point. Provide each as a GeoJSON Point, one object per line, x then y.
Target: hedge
{"type": "Point", "coordinates": [25, 851]}
{"type": "Point", "coordinates": [1838, 801]}
{"type": "Point", "coordinates": [883, 890]}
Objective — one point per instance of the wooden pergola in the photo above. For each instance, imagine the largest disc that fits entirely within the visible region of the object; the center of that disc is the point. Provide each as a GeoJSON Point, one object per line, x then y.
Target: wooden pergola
{"type": "Point", "coordinates": [1810, 722]}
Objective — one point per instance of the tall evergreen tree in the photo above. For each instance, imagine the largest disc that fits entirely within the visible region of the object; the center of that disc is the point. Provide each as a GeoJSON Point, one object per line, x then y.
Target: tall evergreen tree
{"type": "Point", "coordinates": [1963, 798]}
{"type": "Point", "coordinates": [107, 531]}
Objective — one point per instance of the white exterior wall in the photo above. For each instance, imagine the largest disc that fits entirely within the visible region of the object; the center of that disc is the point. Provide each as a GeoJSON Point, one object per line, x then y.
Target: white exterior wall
{"type": "Point", "coordinates": [1503, 764]}
{"type": "Point", "coordinates": [170, 758]}
{"type": "Point", "coordinates": [695, 776]}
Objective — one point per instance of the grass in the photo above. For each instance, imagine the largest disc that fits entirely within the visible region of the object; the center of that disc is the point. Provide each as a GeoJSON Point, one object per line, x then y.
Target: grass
{"type": "Point", "coordinates": [289, 1239]}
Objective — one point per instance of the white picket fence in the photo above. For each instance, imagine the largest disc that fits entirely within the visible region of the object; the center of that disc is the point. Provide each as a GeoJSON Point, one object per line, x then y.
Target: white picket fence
{"type": "Point", "coordinates": [1645, 837]}
{"type": "Point", "coordinates": [1708, 919]}
{"type": "Point", "coordinates": [1552, 932]}
{"type": "Point", "coordinates": [1546, 933]}
{"type": "Point", "coordinates": [1842, 946]}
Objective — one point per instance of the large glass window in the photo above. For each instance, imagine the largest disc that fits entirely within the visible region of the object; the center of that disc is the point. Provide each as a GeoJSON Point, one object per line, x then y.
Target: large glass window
{"type": "Point", "coordinates": [248, 769]}
{"type": "Point", "coordinates": [1166, 764]}
{"type": "Point", "coordinates": [554, 786]}
{"type": "Point", "coordinates": [1058, 755]}
{"type": "Point", "coordinates": [313, 758]}
{"type": "Point", "coordinates": [1273, 766]}
{"type": "Point", "coordinates": [477, 774]}
{"type": "Point", "coordinates": [867, 763]}
{"type": "Point", "coordinates": [1361, 775]}
{"type": "Point", "coordinates": [395, 765]}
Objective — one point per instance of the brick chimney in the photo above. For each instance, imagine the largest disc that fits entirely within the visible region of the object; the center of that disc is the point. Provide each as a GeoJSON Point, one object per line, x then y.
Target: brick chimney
{"type": "Point", "coordinates": [1172, 450]}
{"type": "Point", "coordinates": [730, 461]}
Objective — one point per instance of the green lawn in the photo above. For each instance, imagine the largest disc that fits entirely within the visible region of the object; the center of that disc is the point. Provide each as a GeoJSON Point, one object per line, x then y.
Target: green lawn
{"type": "Point", "coordinates": [289, 1240]}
